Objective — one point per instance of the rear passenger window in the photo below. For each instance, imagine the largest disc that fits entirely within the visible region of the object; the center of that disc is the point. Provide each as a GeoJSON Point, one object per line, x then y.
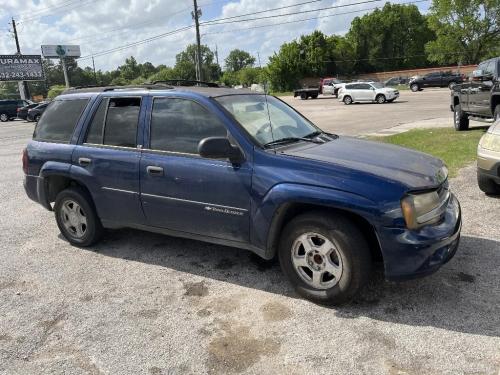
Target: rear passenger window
{"type": "Point", "coordinates": [115, 122]}
{"type": "Point", "coordinates": [178, 125]}
{"type": "Point", "coordinates": [59, 120]}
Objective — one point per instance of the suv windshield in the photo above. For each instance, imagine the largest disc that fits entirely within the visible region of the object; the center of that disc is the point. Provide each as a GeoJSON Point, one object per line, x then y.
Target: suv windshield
{"type": "Point", "coordinates": [251, 112]}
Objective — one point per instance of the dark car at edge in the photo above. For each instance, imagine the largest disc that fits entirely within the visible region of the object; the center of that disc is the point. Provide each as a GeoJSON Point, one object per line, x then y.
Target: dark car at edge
{"type": "Point", "coordinates": [242, 169]}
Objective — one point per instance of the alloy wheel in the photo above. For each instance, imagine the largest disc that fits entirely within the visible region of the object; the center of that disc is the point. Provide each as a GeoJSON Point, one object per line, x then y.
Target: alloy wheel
{"type": "Point", "coordinates": [316, 260]}
{"type": "Point", "coordinates": [73, 218]}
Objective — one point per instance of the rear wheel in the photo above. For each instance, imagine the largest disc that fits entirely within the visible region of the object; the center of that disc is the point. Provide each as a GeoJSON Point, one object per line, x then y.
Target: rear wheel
{"type": "Point", "coordinates": [347, 100]}
{"type": "Point", "coordinates": [4, 117]}
{"type": "Point", "coordinates": [76, 217]}
{"type": "Point", "coordinates": [487, 185]}
{"type": "Point", "coordinates": [380, 99]}
{"type": "Point", "coordinates": [325, 257]}
{"type": "Point", "coordinates": [460, 119]}
{"type": "Point", "coordinates": [414, 87]}
{"type": "Point", "coordinates": [303, 96]}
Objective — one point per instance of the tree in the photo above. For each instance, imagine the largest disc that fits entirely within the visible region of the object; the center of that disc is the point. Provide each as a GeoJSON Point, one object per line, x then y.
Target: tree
{"type": "Point", "coordinates": [390, 38]}
{"type": "Point", "coordinates": [130, 70]}
{"type": "Point", "coordinates": [467, 31]}
{"type": "Point", "coordinates": [238, 59]}
{"type": "Point", "coordinates": [185, 64]}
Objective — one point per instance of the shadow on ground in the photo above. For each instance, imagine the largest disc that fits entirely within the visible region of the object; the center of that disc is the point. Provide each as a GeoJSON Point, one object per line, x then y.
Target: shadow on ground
{"type": "Point", "coordinates": [463, 296]}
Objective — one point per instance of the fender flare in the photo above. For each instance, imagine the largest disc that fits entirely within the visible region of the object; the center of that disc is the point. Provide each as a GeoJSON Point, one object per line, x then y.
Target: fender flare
{"type": "Point", "coordinates": [268, 217]}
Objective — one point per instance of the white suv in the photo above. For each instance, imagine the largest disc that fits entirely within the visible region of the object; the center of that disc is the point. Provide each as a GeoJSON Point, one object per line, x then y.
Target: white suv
{"type": "Point", "coordinates": [367, 92]}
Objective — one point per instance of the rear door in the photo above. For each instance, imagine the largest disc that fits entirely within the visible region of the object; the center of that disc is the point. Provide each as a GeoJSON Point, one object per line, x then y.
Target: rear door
{"type": "Point", "coordinates": [180, 190]}
{"type": "Point", "coordinates": [365, 92]}
{"type": "Point", "coordinates": [107, 160]}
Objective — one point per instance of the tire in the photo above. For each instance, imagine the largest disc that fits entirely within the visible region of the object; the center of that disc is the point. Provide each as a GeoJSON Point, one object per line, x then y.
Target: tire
{"type": "Point", "coordinates": [380, 99]}
{"type": "Point", "coordinates": [65, 203]}
{"type": "Point", "coordinates": [460, 119]}
{"type": "Point", "coordinates": [496, 113]}
{"type": "Point", "coordinates": [347, 100]}
{"type": "Point", "coordinates": [303, 96]}
{"type": "Point", "coordinates": [415, 87]}
{"type": "Point", "coordinates": [349, 250]}
{"type": "Point", "coordinates": [4, 117]}
{"type": "Point", "coordinates": [451, 85]}
{"type": "Point", "coordinates": [487, 185]}
{"type": "Point", "coordinates": [37, 118]}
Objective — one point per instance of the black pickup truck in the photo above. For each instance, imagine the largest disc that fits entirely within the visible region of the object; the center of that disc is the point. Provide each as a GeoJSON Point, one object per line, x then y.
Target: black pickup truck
{"type": "Point", "coordinates": [435, 79]}
{"type": "Point", "coordinates": [479, 98]}
{"type": "Point", "coordinates": [311, 92]}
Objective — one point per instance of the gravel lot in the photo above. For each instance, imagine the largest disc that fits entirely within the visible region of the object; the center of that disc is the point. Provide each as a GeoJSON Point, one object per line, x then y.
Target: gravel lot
{"type": "Point", "coordinates": [141, 303]}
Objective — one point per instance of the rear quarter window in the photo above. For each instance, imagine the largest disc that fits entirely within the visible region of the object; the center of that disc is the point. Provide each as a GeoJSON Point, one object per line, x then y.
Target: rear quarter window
{"type": "Point", "coordinates": [59, 120]}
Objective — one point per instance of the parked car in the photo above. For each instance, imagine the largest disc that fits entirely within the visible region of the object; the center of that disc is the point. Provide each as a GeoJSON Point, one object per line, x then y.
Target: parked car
{"type": "Point", "coordinates": [435, 79]}
{"type": "Point", "coordinates": [478, 98]}
{"type": "Point", "coordinates": [9, 107]}
{"type": "Point", "coordinates": [332, 87]}
{"type": "Point", "coordinates": [396, 81]}
{"type": "Point", "coordinates": [22, 113]}
{"type": "Point", "coordinates": [242, 169]}
{"type": "Point", "coordinates": [488, 160]}
{"type": "Point", "coordinates": [306, 93]}
{"type": "Point", "coordinates": [367, 92]}
{"type": "Point", "coordinates": [35, 113]}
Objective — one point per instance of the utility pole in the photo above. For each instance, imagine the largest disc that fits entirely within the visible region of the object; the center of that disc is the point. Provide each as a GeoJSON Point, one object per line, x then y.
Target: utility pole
{"type": "Point", "coordinates": [22, 85]}
{"type": "Point", "coordinates": [216, 55]}
{"type": "Point", "coordinates": [65, 71]}
{"type": "Point", "coordinates": [95, 75]}
{"type": "Point", "coordinates": [196, 14]}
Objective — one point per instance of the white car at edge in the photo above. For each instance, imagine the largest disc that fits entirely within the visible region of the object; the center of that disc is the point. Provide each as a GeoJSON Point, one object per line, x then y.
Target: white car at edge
{"type": "Point", "coordinates": [367, 92]}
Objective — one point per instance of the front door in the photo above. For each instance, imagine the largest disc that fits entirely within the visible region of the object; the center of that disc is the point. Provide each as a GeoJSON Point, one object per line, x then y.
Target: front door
{"type": "Point", "coordinates": [107, 161]}
{"type": "Point", "coordinates": [365, 92]}
{"type": "Point", "coordinates": [180, 190]}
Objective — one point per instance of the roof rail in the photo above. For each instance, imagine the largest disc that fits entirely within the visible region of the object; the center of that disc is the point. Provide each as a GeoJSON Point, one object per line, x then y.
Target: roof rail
{"type": "Point", "coordinates": [186, 82]}
{"type": "Point", "coordinates": [96, 88]}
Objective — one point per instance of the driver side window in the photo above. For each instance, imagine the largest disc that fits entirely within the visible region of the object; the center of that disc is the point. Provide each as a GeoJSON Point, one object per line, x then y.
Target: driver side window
{"type": "Point", "coordinates": [178, 125]}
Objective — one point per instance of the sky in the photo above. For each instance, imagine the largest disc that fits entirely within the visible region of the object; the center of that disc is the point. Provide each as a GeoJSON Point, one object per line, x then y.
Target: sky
{"type": "Point", "coordinates": [102, 25]}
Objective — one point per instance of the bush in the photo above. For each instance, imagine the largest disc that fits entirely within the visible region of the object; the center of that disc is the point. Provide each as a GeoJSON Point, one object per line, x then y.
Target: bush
{"type": "Point", "coordinates": [55, 91]}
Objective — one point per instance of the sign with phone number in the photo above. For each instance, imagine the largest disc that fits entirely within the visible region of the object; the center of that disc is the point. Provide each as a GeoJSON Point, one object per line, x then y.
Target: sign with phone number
{"type": "Point", "coordinates": [21, 68]}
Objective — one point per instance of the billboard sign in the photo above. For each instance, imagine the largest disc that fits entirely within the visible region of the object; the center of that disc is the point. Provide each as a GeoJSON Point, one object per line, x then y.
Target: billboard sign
{"type": "Point", "coordinates": [21, 68]}
{"type": "Point", "coordinates": [60, 51]}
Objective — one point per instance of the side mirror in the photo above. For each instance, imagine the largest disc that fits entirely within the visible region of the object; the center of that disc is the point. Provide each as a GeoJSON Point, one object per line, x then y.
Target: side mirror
{"type": "Point", "coordinates": [219, 148]}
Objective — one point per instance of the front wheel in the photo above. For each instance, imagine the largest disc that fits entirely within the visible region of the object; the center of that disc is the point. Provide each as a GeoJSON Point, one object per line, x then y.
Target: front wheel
{"type": "Point", "coordinates": [325, 257]}
{"type": "Point", "coordinates": [76, 217]}
{"type": "Point", "coordinates": [380, 99]}
{"type": "Point", "coordinates": [303, 96]}
{"type": "Point", "coordinates": [460, 119]}
{"type": "Point", "coordinates": [414, 87]}
{"type": "Point", "coordinates": [347, 100]}
{"type": "Point", "coordinates": [37, 118]}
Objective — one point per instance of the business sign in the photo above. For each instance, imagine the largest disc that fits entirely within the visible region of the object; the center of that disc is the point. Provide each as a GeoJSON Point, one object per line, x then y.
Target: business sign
{"type": "Point", "coordinates": [21, 68]}
{"type": "Point", "coordinates": [60, 51]}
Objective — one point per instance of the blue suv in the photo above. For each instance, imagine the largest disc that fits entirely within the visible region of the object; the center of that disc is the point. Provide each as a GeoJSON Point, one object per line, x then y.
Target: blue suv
{"type": "Point", "coordinates": [242, 169]}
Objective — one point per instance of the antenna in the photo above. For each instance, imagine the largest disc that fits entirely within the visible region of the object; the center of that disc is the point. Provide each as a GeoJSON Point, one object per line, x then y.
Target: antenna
{"type": "Point", "coordinates": [265, 97]}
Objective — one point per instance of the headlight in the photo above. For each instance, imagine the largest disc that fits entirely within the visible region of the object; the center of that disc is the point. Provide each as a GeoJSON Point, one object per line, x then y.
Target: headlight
{"type": "Point", "coordinates": [423, 209]}
{"type": "Point", "coordinates": [490, 142]}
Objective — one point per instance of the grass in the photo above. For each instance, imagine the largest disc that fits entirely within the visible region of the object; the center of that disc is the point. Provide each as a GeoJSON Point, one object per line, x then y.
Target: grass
{"type": "Point", "coordinates": [457, 149]}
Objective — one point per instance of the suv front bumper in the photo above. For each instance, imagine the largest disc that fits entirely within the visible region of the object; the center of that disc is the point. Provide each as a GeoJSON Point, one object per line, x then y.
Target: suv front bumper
{"type": "Point", "coordinates": [410, 254]}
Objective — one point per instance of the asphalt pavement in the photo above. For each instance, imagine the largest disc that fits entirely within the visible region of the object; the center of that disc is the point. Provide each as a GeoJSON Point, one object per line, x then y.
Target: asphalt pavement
{"type": "Point", "coordinates": [142, 303]}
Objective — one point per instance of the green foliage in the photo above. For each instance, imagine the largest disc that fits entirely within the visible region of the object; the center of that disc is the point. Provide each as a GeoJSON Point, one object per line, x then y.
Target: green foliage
{"type": "Point", "coordinates": [388, 39]}
{"type": "Point", "coordinates": [467, 31]}
{"type": "Point", "coordinates": [55, 91]}
{"type": "Point", "coordinates": [164, 74]}
{"type": "Point", "coordinates": [238, 59]}
{"type": "Point", "coordinates": [185, 61]}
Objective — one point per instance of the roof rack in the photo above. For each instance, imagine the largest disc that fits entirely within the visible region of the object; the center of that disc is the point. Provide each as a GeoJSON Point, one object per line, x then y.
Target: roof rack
{"type": "Point", "coordinates": [97, 88]}
{"type": "Point", "coordinates": [186, 82]}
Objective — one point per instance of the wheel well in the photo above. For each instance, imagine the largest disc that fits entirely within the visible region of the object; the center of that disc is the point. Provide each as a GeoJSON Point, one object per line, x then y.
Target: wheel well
{"type": "Point", "coordinates": [495, 100]}
{"type": "Point", "coordinates": [290, 210]}
{"type": "Point", "coordinates": [456, 101]}
{"type": "Point", "coordinates": [55, 184]}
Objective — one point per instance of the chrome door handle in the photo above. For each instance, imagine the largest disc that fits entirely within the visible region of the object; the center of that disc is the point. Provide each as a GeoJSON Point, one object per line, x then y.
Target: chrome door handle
{"type": "Point", "coordinates": [154, 170]}
{"type": "Point", "coordinates": [84, 161]}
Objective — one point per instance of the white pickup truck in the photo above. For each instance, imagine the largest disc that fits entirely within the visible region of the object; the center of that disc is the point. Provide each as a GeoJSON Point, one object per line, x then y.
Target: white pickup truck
{"type": "Point", "coordinates": [332, 87]}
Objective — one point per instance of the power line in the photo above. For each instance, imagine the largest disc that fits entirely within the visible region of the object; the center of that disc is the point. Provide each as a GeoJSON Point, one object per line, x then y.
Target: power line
{"type": "Point", "coordinates": [216, 21]}
{"type": "Point", "coordinates": [306, 19]}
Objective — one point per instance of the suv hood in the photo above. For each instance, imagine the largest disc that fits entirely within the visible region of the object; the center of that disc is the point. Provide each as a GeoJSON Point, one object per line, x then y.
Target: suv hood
{"type": "Point", "coordinates": [414, 169]}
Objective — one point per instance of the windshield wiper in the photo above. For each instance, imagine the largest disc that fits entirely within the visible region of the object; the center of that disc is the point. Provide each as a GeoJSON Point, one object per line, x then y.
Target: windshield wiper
{"type": "Point", "coordinates": [289, 140]}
